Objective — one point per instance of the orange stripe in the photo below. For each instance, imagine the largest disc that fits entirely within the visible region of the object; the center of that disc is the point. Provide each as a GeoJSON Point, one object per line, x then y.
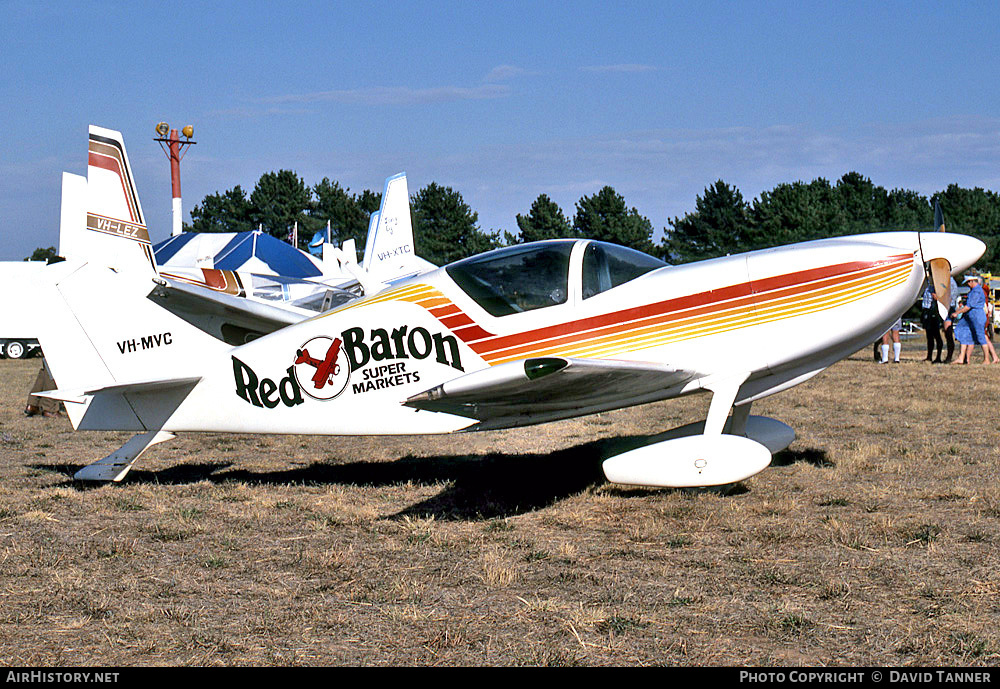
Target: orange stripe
{"type": "Point", "coordinates": [750, 303]}
{"type": "Point", "coordinates": [721, 310]}
{"type": "Point", "coordinates": [693, 324]}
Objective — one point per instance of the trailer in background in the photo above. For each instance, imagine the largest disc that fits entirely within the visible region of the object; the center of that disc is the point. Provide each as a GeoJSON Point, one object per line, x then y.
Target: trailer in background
{"type": "Point", "coordinates": [19, 311]}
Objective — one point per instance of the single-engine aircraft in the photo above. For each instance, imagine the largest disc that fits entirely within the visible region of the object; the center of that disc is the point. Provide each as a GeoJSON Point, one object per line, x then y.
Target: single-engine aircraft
{"type": "Point", "coordinates": [521, 335]}
{"type": "Point", "coordinates": [99, 210]}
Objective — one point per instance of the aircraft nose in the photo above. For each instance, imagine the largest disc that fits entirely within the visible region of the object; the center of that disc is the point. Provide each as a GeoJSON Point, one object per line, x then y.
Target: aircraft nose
{"type": "Point", "coordinates": [960, 250]}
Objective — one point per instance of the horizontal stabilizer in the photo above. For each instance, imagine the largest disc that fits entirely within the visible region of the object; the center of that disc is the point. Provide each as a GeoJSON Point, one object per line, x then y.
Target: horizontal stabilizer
{"type": "Point", "coordinates": [147, 386]}
{"type": "Point", "coordinates": [136, 387]}
{"type": "Point", "coordinates": [134, 406]}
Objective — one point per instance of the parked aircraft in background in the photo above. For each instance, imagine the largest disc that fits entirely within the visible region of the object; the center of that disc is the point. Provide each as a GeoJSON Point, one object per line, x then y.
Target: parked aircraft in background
{"type": "Point", "coordinates": [102, 222]}
{"type": "Point", "coordinates": [517, 336]}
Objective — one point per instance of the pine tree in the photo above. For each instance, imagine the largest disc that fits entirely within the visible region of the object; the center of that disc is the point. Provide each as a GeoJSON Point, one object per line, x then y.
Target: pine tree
{"type": "Point", "coordinates": [348, 214]}
{"type": "Point", "coordinates": [718, 226]}
{"type": "Point", "coordinates": [279, 200]}
{"type": "Point", "coordinates": [605, 217]}
{"type": "Point", "coordinates": [230, 211]}
{"type": "Point", "coordinates": [444, 226]}
{"type": "Point", "coordinates": [545, 220]}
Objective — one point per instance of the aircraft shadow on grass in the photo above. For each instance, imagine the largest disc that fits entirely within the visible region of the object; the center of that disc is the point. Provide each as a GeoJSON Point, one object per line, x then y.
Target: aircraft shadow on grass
{"type": "Point", "coordinates": [479, 487]}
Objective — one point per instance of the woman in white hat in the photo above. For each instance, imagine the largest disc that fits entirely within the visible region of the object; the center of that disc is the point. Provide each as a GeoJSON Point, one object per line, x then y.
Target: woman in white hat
{"type": "Point", "coordinates": [971, 330]}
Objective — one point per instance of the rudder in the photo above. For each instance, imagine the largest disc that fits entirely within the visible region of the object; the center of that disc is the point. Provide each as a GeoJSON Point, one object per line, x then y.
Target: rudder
{"type": "Point", "coordinates": [389, 249]}
{"type": "Point", "coordinates": [113, 230]}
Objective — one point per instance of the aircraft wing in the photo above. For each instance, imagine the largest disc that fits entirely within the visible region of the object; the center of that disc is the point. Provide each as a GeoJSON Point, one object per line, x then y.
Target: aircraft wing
{"type": "Point", "coordinates": [233, 317]}
{"type": "Point", "coordinates": [545, 389]}
{"type": "Point", "coordinates": [197, 304]}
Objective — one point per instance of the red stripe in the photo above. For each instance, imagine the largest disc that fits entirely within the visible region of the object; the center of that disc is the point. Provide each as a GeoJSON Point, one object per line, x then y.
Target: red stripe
{"type": "Point", "coordinates": [112, 165]}
{"type": "Point", "coordinates": [825, 271]}
{"type": "Point", "coordinates": [471, 333]}
{"type": "Point", "coordinates": [617, 317]}
{"type": "Point", "coordinates": [743, 295]}
{"type": "Point", "coordinates": [456, 321]}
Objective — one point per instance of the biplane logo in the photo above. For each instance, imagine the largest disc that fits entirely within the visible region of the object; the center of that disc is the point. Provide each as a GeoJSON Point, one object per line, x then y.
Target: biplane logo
{"type": "Point", "coordinates": [322, 366]}
{"type": "Point", "coordinates": [324, 373]}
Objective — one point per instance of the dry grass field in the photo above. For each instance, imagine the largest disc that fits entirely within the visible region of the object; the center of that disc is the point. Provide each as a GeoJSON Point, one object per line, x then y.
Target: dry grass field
{"type": "Point", "coordinates": [873, 540]}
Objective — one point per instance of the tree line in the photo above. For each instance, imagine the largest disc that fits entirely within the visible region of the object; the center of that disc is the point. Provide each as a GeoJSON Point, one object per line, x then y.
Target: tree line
{"type": "Point", "coordinates": [723, 222]}
{"type": "Point", "coordinates": [445, 227]}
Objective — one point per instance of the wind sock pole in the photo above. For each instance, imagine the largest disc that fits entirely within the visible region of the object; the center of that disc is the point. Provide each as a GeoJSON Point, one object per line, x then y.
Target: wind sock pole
{"type": "Point", "coordinates": [175, 149]}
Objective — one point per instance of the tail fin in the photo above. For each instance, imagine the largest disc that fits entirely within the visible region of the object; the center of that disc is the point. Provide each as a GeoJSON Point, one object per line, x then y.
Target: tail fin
{"type": "Point", "coordinates": [101, 332]}
{"type": "Point", "coordinates": [102, 336]}
{"type": "Point", "coordinates": [389, 250]}
{"type": "Point", "coordinates": [104, 224]}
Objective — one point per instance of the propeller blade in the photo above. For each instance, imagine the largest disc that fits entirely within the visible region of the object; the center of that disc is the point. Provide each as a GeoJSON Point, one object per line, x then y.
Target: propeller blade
{"type": "Point", "coordinates": [938, 217]}
{"type": "Point", "coordinates": [941, 279]}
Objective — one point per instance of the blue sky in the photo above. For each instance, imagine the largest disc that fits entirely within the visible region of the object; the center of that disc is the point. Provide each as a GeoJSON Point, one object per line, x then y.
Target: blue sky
{"type": "Point", "coordinates": [501, 101]}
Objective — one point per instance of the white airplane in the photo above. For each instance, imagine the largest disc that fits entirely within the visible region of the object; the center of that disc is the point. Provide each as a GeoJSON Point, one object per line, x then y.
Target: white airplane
{"type": "Point", "coordinates": [517, 336]}
{"type": "Point", "coordinates": [102, 222]}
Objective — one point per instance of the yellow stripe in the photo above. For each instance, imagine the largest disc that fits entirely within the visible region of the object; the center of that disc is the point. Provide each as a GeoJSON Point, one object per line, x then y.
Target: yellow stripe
{"type": "Point", "coordinates": [737, 316]}
{"type": "Point", "coordinates": [722, 321]}
{"type": "Point", "coordinates": [695, 327]}
{"type": "Point", "coordinates": [408, 293]}
{"type": "Point", "coordinates": [677, 329]}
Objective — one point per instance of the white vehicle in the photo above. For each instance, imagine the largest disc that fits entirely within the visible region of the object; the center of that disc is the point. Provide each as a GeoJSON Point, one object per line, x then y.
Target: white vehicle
{"type": "Point", "coordinates": [19, 311]}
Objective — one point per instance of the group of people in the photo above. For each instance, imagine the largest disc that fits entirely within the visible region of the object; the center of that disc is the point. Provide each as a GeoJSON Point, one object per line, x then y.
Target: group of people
{"type": "Point", "coordinates": [969, 321]}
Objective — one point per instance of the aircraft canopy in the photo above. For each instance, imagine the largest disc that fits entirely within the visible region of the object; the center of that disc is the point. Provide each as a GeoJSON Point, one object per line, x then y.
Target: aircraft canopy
{"type": "Point", "coordinates": [536, 275]}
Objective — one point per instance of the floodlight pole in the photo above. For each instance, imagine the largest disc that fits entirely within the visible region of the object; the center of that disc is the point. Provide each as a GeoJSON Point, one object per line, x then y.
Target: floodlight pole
{"type": "Point", "coordinates": [175, 149]}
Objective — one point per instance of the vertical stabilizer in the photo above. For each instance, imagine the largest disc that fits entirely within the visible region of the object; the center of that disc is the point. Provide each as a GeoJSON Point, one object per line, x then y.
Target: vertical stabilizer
{"type": "Point", "coordinates": [115, 233]}
{"type": "Point", "coordinates": [389, 251]}
{"type": "Point", "coordinates": [101, 331]}
{"type": "Point", "coordinates": [73, 216]}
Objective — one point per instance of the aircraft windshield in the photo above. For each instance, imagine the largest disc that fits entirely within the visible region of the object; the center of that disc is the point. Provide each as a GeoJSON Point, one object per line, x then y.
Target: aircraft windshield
{"type": "Point", "coordinates": [609, 265]}
{"type": "Point", "coordinates": [516, 279]}
{"type": "Point", "coordinates": [303, 294]}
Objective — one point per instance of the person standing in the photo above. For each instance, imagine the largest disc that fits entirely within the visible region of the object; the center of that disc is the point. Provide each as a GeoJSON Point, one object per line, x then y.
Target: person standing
{"type": "Point", "coordinates": [949, 322]}
{"type": "Point", "coordinates": [892, 336]}
{"type": "Point", "coordinates": [973, 312]}
{"type": "Point", "coordinates": [930, 319]}
{"type": "Point", "coordinates": [988, 333]}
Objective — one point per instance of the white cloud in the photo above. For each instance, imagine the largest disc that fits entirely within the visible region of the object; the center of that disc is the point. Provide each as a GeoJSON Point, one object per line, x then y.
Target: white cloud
{"type": "Point", "coordinates": [660, 172]}
{"type": "Point", "coordinates": [503, 73]}
{"type": "Point", "coordinates": [396, 95]}
{"type": "Point", "coordinates": [620, 68]}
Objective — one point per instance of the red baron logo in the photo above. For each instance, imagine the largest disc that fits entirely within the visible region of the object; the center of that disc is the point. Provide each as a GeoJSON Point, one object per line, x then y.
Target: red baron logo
{"type": "Point", "coordinates": [322, 368]}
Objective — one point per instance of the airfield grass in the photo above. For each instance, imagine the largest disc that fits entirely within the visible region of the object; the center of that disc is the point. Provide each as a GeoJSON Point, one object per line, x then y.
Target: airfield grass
{"type": "Point", "coordinates": [873, 540]}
